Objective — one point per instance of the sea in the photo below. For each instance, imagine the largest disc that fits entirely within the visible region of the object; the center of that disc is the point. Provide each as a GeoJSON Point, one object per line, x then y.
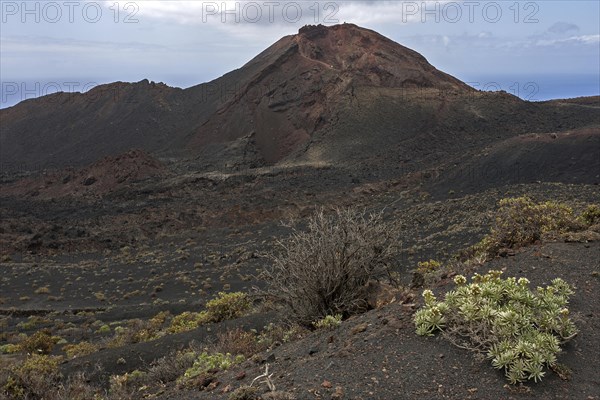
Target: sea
{"type": "Point", "coordinates": [529, 87]}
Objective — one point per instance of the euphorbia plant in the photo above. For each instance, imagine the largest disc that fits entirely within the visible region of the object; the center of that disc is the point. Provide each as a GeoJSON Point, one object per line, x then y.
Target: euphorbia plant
{"type": "Point", "coordinates": [520, 330]}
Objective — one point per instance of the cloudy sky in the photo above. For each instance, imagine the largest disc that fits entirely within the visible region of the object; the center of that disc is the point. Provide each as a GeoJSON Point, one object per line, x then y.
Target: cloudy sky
{"type": "Point", "coordinates": [537, 50]}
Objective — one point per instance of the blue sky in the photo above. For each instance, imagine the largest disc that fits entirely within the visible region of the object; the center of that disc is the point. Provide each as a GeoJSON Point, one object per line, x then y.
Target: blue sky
{"type": "Point", "coordinates": [537, 50]}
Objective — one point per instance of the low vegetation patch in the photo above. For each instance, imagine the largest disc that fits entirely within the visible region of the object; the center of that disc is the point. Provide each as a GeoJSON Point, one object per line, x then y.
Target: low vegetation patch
{"type": "Point", "coordinates": [79, 349]}
{"type": "Point", "coordinates": [590, 216]}
{"type": "Point", "coordinates": [206, 362]}
{"type": "Point", "coordinates": [171, 367]}
{"type": "Point", "coordinates": [329, 322]}
{"type": "Point", "coordinates": [138, 331]}
{"type": "Point", "coordinates": [223, 307]}
{"type": "Point", "coordinates": [244, 393]}
{"type": "Point", "coordinates": [9, 348]}
{"type": "Point", "coordinates": [238, 341]}
{"type": "Point", "coordinates": [187, 321]}
{"type": "Point", "coordinates": [31, 379]}
{"type": "Point", "coordinates": [429, 272]}
{"type": "Point", "coordinates": [228, 306]}
{"type": "Point", "coordinates": [41, 342]}
{"type": "Point", "coordinates": [520, 222]}
{"type": "Point", "coordinates": [518, 329]}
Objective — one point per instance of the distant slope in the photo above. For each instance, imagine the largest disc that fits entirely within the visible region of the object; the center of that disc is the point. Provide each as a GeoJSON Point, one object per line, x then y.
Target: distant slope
{"type": "Point", "coordinates": [76, 129]}
{"type": "Point", "coordinates": [568, 157]}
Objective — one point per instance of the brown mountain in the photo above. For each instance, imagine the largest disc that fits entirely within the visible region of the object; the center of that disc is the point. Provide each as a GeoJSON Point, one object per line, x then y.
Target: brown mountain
{"type": "Point", "coordinates": [126, 247]}
{"type": "Point", "coordinates": [297, 86]}
{"type": "Point", "coordinates": [339, 95]}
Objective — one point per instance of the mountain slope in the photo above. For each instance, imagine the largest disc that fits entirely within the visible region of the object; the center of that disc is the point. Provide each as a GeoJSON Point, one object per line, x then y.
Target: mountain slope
{"type": "Point", "coordinates": [343, 95]}
{"type": "Point", "coordinates": [296, 87]}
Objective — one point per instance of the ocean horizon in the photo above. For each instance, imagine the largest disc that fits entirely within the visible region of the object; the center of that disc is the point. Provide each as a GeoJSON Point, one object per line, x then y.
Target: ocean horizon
{"type": "Point", "coordinates": [526, 87]}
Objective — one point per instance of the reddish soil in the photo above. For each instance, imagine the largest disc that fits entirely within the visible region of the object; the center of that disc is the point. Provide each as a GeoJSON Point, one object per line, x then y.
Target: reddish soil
{"type": "Point", "coordinates": [104, 176]}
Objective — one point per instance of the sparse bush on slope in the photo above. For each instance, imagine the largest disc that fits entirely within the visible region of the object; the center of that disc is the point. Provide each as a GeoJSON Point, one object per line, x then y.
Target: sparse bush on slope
{"type": "Point", "coordinates": [520, 221]}
{"type": "Point", "coordinates": [590, 216]}
{"type": "Point", "coordinates": [33, 378]}
{"type": "Point", "coordinates": [228, 306]}
{"type": "Point", "coordinates": [41, 342]}
{"type": "Point", "coordinates": [223, 307]}
{"type": "Point", "coordinates": [519, 330]}
{"type": "Point", "coordinates": [323, 270]}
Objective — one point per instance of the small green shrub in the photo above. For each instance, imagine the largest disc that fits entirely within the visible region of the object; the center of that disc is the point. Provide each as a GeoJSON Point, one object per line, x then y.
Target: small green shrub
{"type": "Point", "coordinates": [9, 348]}
{"type": "Point", "coordinates": [104, 329]}
{"type": "Point", "coordinates": [426, 267]}
{"type": "Point", "coordinates": [329, 322]}
{"type": "Point", "coordinates": [79, 349]}
{"type": "Point", "coordinates": [225, 306]}
{"type": "Point", "coordinates": [228, 306]}
{"type": "Point", "coordinates": [518, 329]}
{"type": "Point", "coordinates": [187, 321]}
{"type": "Point", "coordinates": [590, 216]}
{"type": "Point", "coordinates": [33, 378]}
{"type": "Point", "coordinates": [41, 342]}
{"type": "Point", "coordinates": [206, 362]}
{"type": "Point", "coordinates": [520, 221]}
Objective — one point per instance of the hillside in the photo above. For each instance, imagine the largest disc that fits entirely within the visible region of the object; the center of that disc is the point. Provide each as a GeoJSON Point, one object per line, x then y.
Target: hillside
{"type": "Point", "coordinates": [327, 94]}
{"type": "Point", "coordinates": [129, 214]}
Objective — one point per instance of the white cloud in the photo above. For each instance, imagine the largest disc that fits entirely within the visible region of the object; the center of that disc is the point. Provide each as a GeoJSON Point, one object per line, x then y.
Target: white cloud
{"type": "Point", "coordinates": [42, 44]}
{"type": "Point", "coordinates": [573, 40]}
{"type": "Point", "coordinates": [284, 12]}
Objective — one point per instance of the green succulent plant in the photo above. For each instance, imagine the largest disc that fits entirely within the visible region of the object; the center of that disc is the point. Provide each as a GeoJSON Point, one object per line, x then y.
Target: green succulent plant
{"type": "Point", "coordinates": [518, 329]}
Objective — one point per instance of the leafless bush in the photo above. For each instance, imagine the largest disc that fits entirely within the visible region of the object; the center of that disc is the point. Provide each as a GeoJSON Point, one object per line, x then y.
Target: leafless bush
{"type": "Point", "coordinates": [169, 368]}
{"type": "Point", "coordinates": [324, 270]}
{"type": "Point", "coordinates": [237, 341]}
{"type": "Point", "coordinates": [76, 387]}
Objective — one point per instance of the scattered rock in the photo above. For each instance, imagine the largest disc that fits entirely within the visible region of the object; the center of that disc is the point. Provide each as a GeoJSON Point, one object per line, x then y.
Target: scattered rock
{"type": "Point", "coordinates": [506, 252]}
{"type": "Point", "coordinates": [360, 328]}
{"type": "Point", "coordinates": [277, 396]}
{"type": "Point", "coordinates": [226, 389]}
{"type": "Point", "coordinates": [90, 180]}
{"type": "Point", "coordinates": [241, 375]}
{"type": "Point", "coordinates": [380, 294]}
{"type": "Point", "coordinates": [338, 394]}
{"type": "Point", "coordinates": [418, 280]}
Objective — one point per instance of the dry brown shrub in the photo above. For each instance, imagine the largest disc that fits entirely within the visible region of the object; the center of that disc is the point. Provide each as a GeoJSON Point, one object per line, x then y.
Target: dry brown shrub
{"type": "Point", "coordinates": [324, 269]}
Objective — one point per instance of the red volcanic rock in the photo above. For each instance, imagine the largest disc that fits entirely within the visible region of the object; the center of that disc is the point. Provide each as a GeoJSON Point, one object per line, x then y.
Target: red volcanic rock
{"type": "Point", "coordinates": [280, 99]}
{"type": "Point", "coordinates": [295, 87]}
